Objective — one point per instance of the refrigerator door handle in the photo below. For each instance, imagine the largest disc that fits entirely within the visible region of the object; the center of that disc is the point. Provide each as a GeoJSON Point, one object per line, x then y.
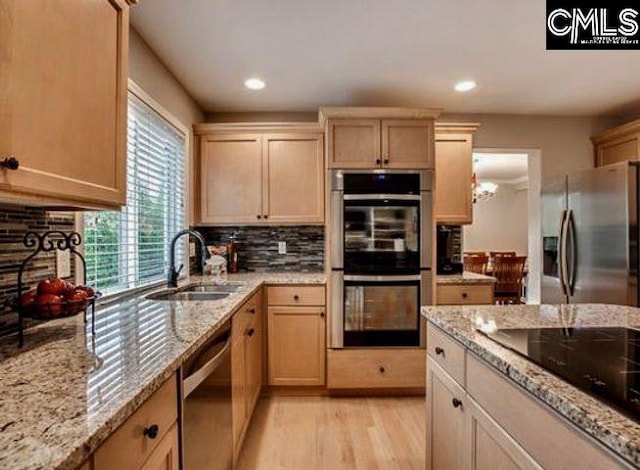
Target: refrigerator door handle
{"type": "Point", "coordinates": [571, 233]}
{"type": "Point", "coordinates": [562, 253]}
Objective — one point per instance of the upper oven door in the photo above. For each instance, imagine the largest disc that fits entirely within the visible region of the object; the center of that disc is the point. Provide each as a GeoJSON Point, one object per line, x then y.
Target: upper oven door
{"type": "Point", "coordinates": [381, 233]}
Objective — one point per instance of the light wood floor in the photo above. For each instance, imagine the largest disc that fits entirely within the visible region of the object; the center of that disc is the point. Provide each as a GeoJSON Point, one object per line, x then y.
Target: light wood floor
{"type": "Point", "coordinates": [322, 433]}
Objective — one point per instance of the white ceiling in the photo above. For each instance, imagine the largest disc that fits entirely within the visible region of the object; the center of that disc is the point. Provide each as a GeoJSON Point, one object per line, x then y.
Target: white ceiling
{"type": "Point", "coordinates": [504, 168]}
{"type": "Point", "coordinates": [381, 52]}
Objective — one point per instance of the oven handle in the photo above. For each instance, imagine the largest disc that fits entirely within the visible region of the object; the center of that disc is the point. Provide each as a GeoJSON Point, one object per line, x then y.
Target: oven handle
{"type": "Point", "coordinates": [413, 277]}
{"type": "Point", "coordinates": [381, 197]}
{"type": "Point", "coordinates": [190, 383]}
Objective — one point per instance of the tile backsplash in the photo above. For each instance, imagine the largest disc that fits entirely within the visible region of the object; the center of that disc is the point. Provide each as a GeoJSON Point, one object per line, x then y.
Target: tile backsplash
{"type": "Point", "coordinates": [258, 247]}
{"type": "Point", "coordinates": [15, 221]}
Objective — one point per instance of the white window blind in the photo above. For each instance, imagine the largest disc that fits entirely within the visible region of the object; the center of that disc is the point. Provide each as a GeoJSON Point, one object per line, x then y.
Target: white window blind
{"type": "Point", "coordinates": [129, 249]}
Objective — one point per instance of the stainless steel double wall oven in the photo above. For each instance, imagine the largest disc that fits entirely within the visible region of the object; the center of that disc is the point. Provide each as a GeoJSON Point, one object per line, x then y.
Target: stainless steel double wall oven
{"type": "Point", "coordinates": [380, 257]}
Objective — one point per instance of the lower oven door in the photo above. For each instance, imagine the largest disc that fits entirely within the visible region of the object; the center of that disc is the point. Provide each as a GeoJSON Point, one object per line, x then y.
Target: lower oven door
{"type": "Point", "coordinates": [380, 311]}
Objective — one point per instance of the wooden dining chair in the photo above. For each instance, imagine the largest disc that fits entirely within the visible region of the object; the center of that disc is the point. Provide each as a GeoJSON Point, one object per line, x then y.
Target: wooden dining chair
{"type": "Point", "coordinates": [509, 273]}
{"type": "Point", "coordinates": [493, 254]}
{"type": "Point", "coordinates": [475, 253]}
{"type": "Point", "coordinates": [475, 263]}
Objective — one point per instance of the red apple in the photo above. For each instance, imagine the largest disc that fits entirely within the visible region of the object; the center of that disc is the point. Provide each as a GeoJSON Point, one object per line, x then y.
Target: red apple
{"type": "Point", "coordinates": [88, 290]}
{"type": "Point", "coordinates": [27, 301]}
{"type": "Point", "coordinates": [53, 286]}
{"type": "Point", "coordinates": [69, 289]}
{"type": "Point", "coordinates": [76, 302]}
{"type": "Point", "coordinates": [49, 305]}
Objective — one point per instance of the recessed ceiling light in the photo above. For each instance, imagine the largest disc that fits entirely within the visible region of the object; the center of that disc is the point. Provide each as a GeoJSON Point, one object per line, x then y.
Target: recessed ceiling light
{"type": "Point", "coordinates": [254, 84]}
{"type": "Point", "coordinates": [466, 85]}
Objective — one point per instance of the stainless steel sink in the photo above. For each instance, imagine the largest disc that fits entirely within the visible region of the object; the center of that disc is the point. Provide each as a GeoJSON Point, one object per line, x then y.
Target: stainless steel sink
{"type": "Point", "coordinates": [189, 296]}
{"type": "Point", "coordinates": [217, 288]}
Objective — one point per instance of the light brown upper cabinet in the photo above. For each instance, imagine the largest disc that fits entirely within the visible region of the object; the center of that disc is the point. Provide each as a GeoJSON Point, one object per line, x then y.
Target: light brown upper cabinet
{"type": "Point", "coordinates": [454, 173]}
{"type": "Point", "coordinates": [618, 145]}
{"type": "Point", "coordinates": [394, 138]}
{"type": "Point", "coordinates": [260, 178]}
{"type": "Point", "coordinates": [63, 102]}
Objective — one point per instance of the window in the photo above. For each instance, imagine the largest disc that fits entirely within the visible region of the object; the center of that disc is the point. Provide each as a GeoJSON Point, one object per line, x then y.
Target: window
{"type": "Point", "coordinates": [129, 249]}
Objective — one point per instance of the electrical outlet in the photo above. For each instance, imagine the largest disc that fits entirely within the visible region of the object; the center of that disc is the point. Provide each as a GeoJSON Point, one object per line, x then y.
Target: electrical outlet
{"type": "Point", "coordinates": [63, 263]}
{"type": "Point", "coordinates": [192, 249]}
{"type": "Point", "coordinates": [282, 248]}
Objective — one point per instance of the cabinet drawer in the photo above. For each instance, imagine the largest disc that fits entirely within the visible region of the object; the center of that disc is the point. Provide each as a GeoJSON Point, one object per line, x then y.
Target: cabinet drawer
{"type": "Point", "coordinates": [296, 295]}
{"type": "Point", "coordinates": [543, 434]}
{"type": "Point", "coordinates": [128, 447]}
{"type": "Point", "coordinates": [464, 294]}
{"type": "Point", "coordinates": [376, 368]}
{"type": "Point", "coordinates": [446, 352]}
{"type": "Point", "coordinates": [248, 312]}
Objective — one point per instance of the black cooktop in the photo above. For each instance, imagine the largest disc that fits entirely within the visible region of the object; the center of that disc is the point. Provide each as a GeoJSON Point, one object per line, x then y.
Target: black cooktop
{"type": "Point", "coordinates": [601, 361]}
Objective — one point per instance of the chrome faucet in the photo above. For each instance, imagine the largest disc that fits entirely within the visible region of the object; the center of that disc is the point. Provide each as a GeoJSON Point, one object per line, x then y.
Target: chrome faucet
{"type": "Point", "coordinates": [172, 280]}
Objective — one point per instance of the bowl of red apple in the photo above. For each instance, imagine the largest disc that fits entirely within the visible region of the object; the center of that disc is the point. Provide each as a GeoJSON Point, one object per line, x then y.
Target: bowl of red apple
{"type": "Point", "coordinates": [56, 298]}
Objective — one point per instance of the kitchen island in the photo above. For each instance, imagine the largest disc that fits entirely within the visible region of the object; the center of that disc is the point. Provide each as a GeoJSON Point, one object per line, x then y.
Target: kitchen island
{"type": "Point", "coordinates": [510, 410]}
{"type": "Point", "coordinates": [65, 393]}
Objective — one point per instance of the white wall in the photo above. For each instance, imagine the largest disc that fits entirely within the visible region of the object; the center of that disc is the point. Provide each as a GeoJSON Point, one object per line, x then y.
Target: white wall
{"type": "Point", "coordinates": [499, 224]}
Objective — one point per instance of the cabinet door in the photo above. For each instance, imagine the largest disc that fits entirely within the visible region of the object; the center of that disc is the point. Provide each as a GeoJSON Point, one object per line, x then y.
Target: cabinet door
{"type": "Point", "coordinates": [64, 96]}
{"type": "Point", "coordinates": [448, 436]}
{"type": "Point", "coordinates": [253, 354]}
{"type": "Point", "coordinates": [238, 383]}
{"type": "Point", "coordinates": [407, 143]}
{"type": "Point", "coordinates": [294, 178]}
{"type": "Point", "coordinates": [354, 143]}
{"type": "Point", "coordinates": [454, 173]}
{"type": "Point", "coordinates": [165, 456]}
{"type": "Point", "coordinates": [296, 346]}
{"type": "Point", "coordinates": [619, 151]}
{"type": "Point", "coordinates": [231, 179]}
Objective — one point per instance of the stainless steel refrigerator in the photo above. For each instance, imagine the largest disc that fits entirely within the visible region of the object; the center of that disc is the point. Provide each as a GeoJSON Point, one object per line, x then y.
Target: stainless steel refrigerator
{"type": "Point", "coordinates": [590, 237]}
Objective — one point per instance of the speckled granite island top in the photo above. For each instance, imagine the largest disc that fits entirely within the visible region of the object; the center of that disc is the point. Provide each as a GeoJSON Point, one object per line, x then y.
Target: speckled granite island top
{"type": "Point", "coordinates": [465, 278]}
{"type": "Point", "coordinates": [614, 430]}
{"type": "Point", "coordinates": [63, 394]}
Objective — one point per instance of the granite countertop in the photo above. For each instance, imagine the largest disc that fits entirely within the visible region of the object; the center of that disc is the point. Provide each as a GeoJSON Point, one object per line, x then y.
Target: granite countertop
{"type": "Point", "coordinates": [466, 278]}
{"type": "Point", "coordinates": [613, 429]}
{"type": "Point", "coordinates": [63, 394]}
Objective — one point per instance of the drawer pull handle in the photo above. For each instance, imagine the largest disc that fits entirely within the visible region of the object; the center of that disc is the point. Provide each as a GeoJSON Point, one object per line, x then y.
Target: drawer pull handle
{"type": "Point", "coordinates": [251, 311]}
{"type": "Point", "coordinates": [382, 370]}
{"type": "Point", "coordinates": [321, 314]}
{"type": "Point", "coordinates": [250, 331]}
{"type": "Point", "coordinates": [464, 295]}
{"type": "Point", "coordinates": [258, 216]}
{"type": "Point", "coordinates": [296, 297]}
{"type": "Point", "coordinates": [456, 403]}
{"type": "Point", "coordinates": [439, 351]}
{"type": "Point", "coordinates": [152, 431]}
{"type": "Point", "coordinates": [386, 161]}
{"type": "Point", "coordinates": [378, 161]}
{"type": "Point", "coordinates": [9, 163]}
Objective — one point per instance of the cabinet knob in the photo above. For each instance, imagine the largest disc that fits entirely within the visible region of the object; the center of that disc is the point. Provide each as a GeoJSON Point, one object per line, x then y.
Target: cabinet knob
{"type": "Point", "coordinates": [378, 161]}
{"type": "Point", "coordinates": [265, 216]}
{"type": "Point", "coordinates": [152, 431]}
{"type": "Point", "coordinates": [250, 331]}
{"type": "Point", "coordinates": [386, 161]}
{"type": "Point", "coordinates": [258, 216]}
{"type": "Point", "coordinates": [9, 163]}
{"type": "Point", "coordinates": [456, 403]}
{"type": "Point", "coordinates": [321, 314]}
{"type": "Point", "coordinates": [439, 351]}
{"type": "Point", "coordinates": [464, 295]}
{"type": "Point", "coordinates": [382, 370]}
{"type": "Point", "coordinates": [296, 297]}
{"type": "Point", "coordinates": [251, 311]}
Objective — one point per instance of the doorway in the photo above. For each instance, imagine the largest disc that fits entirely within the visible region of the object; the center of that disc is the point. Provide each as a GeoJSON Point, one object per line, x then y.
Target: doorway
{"type": "Point", "coordinates": [507, 208]}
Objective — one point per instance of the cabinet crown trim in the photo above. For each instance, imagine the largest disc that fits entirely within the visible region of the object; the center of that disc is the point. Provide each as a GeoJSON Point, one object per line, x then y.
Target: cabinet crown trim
{"type": "Point", "coordinates": [355, 112]}
{"type": "Point", "coordinates": [456, 127]}
{"type": "Point", "coordinates": [239, 127]}
{"type": "Point", "coordinates": [632, 127]}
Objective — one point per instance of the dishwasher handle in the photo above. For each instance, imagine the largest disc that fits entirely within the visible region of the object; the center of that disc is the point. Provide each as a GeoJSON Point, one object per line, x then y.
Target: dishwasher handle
{"type": "Point", "coordinates": [195, 378]}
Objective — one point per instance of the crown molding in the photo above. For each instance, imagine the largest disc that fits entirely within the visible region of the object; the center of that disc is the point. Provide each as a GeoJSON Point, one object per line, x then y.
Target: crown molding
{"type": "Point", "coordinates": [233, 127]}
{"type": "Point", "coordinates": [365, 112]}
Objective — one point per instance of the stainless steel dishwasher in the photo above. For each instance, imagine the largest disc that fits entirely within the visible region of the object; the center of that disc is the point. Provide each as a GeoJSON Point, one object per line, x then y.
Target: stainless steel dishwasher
{"type": "Point", "coordinates": [206, 405]}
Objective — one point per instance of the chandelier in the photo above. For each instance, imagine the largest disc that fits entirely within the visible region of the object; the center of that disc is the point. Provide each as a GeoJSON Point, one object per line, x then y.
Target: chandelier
{"type": "Point", "coordinates": [484, 191]}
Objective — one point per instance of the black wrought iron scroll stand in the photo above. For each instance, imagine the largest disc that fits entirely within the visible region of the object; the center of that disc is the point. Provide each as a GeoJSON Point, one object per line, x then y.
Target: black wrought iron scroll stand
{"type": "Point", "coordinates": [43, 243]}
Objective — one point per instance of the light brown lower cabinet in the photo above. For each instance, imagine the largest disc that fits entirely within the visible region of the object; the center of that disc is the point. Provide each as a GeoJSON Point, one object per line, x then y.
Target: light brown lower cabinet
{"type": "Point", "coordinates": [480, 420]}
{"type": "Point", "coordinates": [148, 438]}
{"type": "Point", "coordinates": [297, 335]}
{"type": "Point", "coordinates": [246, 366]}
